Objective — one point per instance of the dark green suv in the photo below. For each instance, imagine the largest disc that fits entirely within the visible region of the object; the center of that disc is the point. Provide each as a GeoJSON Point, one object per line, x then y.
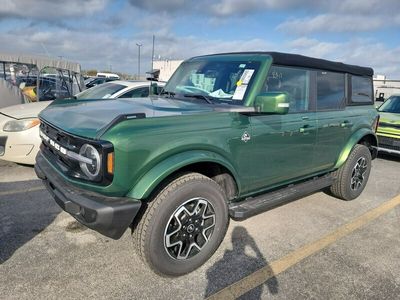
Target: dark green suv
{"type": "Point", "coordinates": [231, 136]}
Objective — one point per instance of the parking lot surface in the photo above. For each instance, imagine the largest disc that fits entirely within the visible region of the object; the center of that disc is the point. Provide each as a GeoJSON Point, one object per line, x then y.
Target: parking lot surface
{"type": "Point", "coordinates": [316, 247]}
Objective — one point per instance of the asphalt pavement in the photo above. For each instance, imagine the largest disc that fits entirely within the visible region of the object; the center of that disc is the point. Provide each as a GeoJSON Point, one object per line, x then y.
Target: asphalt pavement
{"type": "Point", "coordinates": [46, 254]}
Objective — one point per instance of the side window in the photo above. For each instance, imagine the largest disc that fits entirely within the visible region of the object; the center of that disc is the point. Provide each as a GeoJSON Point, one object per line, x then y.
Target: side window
{"type": "Point", "coordinates": [361, 89]}
{"type": "Point", "coordinates": [136, 93]}
{"type": "Point", "coordinates": [293, 81]}
{"type": "Point", "coordinates": [330, 90]}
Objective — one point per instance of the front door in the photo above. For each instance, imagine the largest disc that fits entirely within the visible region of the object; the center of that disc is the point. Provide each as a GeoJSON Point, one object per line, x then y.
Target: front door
{"type": "Point", "coordinates": [283, 145]}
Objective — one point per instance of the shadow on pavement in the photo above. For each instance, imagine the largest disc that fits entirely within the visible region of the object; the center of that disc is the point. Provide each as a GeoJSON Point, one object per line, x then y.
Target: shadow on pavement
{"type": "Point", "coordinates": [237, 264]}
{"type": "Point", "coordinates": [23, 215]}
{"type": "Point", "coordinates": [391, 157]}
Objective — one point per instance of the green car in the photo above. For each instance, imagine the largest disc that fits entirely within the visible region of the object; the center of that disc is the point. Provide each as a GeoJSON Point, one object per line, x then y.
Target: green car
{"type": "Point", "coordinates": [231, 136]}
{"type": "Point", "coordinates": [389, 125]}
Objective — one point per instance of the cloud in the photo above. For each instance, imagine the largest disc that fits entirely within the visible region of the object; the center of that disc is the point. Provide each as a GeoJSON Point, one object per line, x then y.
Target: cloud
{"type": "Point", "coordinates": [239, 7]}
{"type": "Point", "coordinates": [161, 5]}
{"type": "Point", "coordinates": [333, 23]}
{"type": "Point", "coordinates": [50, 10]}
{"type": "Point", "coordinates": [313, 47]}
{"type": "Point", "coordinates": [363, 52]}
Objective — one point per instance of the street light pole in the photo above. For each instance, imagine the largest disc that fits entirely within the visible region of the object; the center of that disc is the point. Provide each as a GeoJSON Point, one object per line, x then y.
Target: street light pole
{"type": "Point", "coordinates": [139, 45]}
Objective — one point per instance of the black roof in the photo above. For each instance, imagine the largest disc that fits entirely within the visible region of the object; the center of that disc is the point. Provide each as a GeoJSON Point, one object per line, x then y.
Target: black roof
{"type": "Point", "coordinates": [288, 59]}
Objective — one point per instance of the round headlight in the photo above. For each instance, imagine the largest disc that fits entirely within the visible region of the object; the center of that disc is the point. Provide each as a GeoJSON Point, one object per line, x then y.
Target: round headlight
{"type": "Point", "coordinates": [90, 170]}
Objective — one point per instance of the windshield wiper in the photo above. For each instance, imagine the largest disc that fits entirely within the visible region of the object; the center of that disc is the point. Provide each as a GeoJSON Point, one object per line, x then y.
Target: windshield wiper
{"type": "Point", "coordinates": [205, 98]}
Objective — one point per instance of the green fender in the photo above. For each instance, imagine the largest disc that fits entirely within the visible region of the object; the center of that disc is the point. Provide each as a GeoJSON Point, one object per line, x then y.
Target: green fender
{"type": "Point", "coordinates": [159, 172]}
{"type": "Point", "coordinates": [354, 139]}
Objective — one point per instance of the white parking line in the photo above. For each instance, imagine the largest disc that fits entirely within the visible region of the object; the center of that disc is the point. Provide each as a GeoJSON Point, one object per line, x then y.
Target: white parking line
{"type": "Point", "coordinates": [260, 276]}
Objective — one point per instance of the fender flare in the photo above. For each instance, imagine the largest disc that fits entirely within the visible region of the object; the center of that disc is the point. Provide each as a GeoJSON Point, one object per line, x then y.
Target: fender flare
{"type": "Point", "coordinates": [354, 139]}
{"type": "Point", "coordinates": [147, 183]}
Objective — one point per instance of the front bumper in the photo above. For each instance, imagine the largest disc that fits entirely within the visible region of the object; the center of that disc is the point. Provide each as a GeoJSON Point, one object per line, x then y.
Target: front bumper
{"type": "Point", "coordinates": [389, 144]}
{"type": "Point", "coordinates": [110, 216]}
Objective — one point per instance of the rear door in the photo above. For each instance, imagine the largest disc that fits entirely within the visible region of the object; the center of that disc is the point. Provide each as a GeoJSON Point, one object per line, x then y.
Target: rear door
{"type": "Point", "coordinates": [332, 118]}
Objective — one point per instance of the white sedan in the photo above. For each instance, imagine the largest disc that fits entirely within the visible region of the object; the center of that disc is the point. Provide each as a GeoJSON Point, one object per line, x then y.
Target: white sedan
{"type": "Point", "coordinates": [19, 124]}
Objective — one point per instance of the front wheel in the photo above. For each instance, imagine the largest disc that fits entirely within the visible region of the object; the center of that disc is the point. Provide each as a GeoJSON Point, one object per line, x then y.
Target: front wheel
{"type": "Point", "coordinates": [183, 225]}
{"type": "Point", "coordinates": [352, 176]}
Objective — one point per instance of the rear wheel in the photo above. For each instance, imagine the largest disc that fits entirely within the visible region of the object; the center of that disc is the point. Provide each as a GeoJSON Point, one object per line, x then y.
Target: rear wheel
{"type": "Point", "coordinates": [183, 225]}
{"type": "Point", "coordinates": [352, 176]}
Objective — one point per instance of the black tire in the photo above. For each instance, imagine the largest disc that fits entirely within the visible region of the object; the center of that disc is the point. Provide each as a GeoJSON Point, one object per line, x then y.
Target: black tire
{"type": "Point", "coordinates": [352, 176]}
{"type": "Point", "coordinates": [151, 234]}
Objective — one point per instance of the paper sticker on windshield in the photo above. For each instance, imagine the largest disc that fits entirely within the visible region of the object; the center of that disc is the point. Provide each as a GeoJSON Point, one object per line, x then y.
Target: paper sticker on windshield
{"type": "Point", "coordinates": [239, 92]}
{"type": "Point", "coordinates": [242, 66]}
{"type": "Point", "coordinates": [246, 76]}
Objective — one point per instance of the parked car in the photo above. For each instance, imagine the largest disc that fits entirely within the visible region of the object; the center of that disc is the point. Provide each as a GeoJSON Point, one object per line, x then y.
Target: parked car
{"type": "Point", "coordinates": [389, 125]}
{"type": "Point", "coordinates": [91, 82]}
{"type": "Point", "coordinates": [231, 136]}
{"type": "Point", "coordinates": [119, 89]}
{"type": "Point", "coordinates": [19, 124]}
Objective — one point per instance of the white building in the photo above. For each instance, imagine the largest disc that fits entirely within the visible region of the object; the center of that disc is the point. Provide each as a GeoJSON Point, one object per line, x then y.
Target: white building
{"type": "Point", "coordinates": [384, 88]}
{"type": "Point", "coordinates": [166, 67]}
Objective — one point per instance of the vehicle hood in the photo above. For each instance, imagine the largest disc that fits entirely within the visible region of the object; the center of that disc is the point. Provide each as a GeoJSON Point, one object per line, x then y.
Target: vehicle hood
{"type": "Point", "coordinates": [23, 111]}
{"type": "Point", "coordinates": [389, 124]}
{"type": "Point", "coordinates": [88, 118]}
{"type": "Point", "coordinates": [386, 117]}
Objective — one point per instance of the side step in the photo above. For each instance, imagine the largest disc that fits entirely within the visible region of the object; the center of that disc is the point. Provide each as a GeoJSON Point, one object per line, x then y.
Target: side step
{"type": "Point", "coordinates": [253, 206]}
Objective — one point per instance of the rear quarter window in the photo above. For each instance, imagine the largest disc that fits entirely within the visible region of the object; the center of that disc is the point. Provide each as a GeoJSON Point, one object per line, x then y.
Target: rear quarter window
{"type": "Point", "coordinates": [330, 90]}
{"type": "Point", "coordinates": [361, 90]}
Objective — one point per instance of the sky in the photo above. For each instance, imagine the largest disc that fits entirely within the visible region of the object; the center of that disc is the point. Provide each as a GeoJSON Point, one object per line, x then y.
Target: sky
{"type": "Point", "coordinates": [102, 34]}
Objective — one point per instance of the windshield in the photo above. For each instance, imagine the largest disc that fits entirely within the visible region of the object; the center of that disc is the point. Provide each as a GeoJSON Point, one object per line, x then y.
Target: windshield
{"type": "Point", "coordinates": [216, 81]}
{"type": "Point", "coordinates": [391, 105]}
{"type": "Point", "coordinates": [102, 91]}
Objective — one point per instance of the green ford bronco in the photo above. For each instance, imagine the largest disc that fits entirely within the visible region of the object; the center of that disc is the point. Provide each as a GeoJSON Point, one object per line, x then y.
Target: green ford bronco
{"type": "Point", "coordinates": [231, 136]}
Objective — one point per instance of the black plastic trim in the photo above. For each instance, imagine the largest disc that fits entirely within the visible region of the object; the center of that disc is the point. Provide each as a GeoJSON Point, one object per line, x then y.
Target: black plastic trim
{"type": "Point", "coordinates": [110, 216]}
{"type": "Point", "coordinates": [117, 120]}
{"type": "Point", "coordinates": [252, 206]}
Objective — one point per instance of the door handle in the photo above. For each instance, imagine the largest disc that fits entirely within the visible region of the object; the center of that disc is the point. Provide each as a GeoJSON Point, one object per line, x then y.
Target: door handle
{"type": "Point", "coordinates": [345, 124]}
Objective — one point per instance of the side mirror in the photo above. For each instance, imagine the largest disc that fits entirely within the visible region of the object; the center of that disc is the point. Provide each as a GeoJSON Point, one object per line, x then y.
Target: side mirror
{"type": "Point", "coordinates": [272, 102]}
{"type": "Point", "coordinates": [154, 88]}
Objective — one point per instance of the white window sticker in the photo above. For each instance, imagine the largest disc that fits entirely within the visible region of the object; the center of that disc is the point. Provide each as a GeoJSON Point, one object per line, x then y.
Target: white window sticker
{"type": "Point", "coordinates": [246, 76]}
{"type": "Point", "coordinates": [239, 92]}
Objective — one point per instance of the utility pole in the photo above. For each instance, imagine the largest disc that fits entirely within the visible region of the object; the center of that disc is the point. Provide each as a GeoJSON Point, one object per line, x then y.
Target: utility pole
{"type": "Point", "coordinates": [152, 53]}
{"type": "Point", "coordinates": [139, 45]}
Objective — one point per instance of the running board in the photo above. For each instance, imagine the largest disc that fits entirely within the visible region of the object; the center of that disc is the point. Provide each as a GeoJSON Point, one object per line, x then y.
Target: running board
{"type": "Point", "coordinates": [252, 206]}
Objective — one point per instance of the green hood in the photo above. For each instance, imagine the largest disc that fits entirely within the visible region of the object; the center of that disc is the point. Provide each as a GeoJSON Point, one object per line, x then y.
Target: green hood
{"type": "Point", "coordinates": [89, 118]}
{"type": "Point", "coordinates": [389, 124]}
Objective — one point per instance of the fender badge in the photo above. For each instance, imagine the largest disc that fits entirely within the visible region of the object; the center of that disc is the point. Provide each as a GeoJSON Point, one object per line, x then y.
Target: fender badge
{"type": "Point", "coordinates": [246, 137]}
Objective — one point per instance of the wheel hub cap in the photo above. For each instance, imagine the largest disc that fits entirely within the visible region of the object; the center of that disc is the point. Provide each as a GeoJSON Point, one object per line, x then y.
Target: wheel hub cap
{"type": "Point", "coordinates": [358, 173]}
{"type": "Point", "coordinates": [189, 228]}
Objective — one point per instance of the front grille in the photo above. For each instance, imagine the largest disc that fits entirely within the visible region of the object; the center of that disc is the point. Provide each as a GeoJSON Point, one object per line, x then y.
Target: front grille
{"type": "Point", "coordinates": [3, 141]}
{"type": "Point", "coordinates": [56, 144]}
{"type": "Point", "coordinates": [68, 166]}
{"type": "Point", "coordinates": [389, 125]}
{"type": "Point", "coordinates": [389, 143]}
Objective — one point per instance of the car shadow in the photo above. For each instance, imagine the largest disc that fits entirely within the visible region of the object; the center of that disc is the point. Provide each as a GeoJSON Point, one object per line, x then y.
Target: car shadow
{"type": "Point", "coordinates": [237, 264]}
{"type": "Point", "coordinates": [26, 209]}
{"type": "Point", "coordinates": [391, 157]}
